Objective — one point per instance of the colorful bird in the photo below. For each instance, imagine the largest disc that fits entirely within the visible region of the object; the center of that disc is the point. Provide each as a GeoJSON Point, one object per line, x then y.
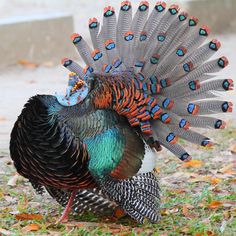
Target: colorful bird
{"type": "Point", "coordinates": [147, 81]}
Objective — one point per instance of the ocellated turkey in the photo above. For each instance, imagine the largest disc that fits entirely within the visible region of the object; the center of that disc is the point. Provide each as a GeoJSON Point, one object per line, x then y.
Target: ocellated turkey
{"type": "Point", "coordinates": [147, 80]}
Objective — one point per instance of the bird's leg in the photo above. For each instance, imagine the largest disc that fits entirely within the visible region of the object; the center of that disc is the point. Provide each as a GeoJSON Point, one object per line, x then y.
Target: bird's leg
{"type": "Point", "coordinates": [65, 215]}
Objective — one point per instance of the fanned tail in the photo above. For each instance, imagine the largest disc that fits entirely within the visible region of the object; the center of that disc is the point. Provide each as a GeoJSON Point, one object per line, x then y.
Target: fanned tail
{"type": "Point", "coordinates": [161, 75]}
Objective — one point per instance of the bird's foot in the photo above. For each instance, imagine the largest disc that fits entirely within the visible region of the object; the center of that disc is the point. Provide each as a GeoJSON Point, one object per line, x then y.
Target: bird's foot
{"type": "Point", "coordinates": [65, 215]}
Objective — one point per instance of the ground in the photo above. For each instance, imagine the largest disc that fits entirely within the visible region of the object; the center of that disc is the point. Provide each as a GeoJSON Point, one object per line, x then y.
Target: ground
{"type": "Point", "coordinates": [198, 198]}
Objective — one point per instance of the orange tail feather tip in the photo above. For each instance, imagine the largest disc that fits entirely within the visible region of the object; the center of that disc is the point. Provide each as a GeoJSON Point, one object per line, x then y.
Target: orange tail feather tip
{"type": "Point", "coordinates": [108, 11]}
{"type": "Point", "coordinates": [230, 108]}
{"type": "Point", "coordinates": [187, 126]}
{"type": "Point", "coordinates": [75, 38]}
{"type": "Point", "coordinates": [128, 3]}
{"type": "Point", "coordinates": [93, 23]}
{"type": "Point", "coordinates": [144, 3]}
{"type": "Point", "coordinates": [161, 3]}
{"type": "Point", "coordinates": [172, 139]}
{"type": "Point", "coordinates": [93, 20]}
{"type": "Point", "coordinates": [171, 104]}
{"type": "Point", "coordinates": [66, 61]}
{"type": "Point", "coordinates": [223, 125]}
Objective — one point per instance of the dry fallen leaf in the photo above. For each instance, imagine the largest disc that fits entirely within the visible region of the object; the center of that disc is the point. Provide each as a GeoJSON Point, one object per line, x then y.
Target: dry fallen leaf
{"type": "Point", "coordinates": [215, 204]}
{"type": "Point", "coordinates": [215, 181]}
{"type": "Point", "coordinates": [230, 172]}
{"type": "Point", "coordinates": [185, 210]}
{"type": "Point", "coordinates": [158, 170]}
{"type": "Point", "coordinates": [25, 216]}
{"type": "Point", "coordinates": [199, 178]}
{"type": "Point", "coordinates": [227, 168]}
{"type": "Point", "coordinates": [210, 233]}
{"type": "Point", "coordinates": [178, 191]}
{"type": "Point", "coordinates": [193, 163]}
{"type": "Point", "coordinates": [31, 227]}
{"type": "Point", "coordinates": [118, 213]}
{"type": "Point", "coordinates": [27, 64]}
{"type": "Point", "coordinates": [199, 234]}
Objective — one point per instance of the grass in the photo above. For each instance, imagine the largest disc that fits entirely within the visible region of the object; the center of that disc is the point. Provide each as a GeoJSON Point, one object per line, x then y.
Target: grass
{"type": "Point", "coordinates": [197, 200]}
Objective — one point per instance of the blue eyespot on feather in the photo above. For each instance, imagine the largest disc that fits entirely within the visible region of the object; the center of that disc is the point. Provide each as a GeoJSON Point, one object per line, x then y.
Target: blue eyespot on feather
{"type": "Point", "coordinates": [223, 62]}
{"type": "Point", "coordinates": [139, 64]}
{"type": "Point", "coordinates": [125, 6]}
{"type": "Point", "coordinates": [228, 84]}
{"type": "Point", "coordinates": [206, 143]}
{"type": "Point", "coordinates": [161, 38]}
{"type": "Point", "coordinates": [165, 118]}
{"type": "Point", "coordinates": [96, 55]}
{"type": "Point", "coordinates": [129, 36]}
{"type": "Point", "coordinates": [219, 124]}
{"type": "Point", "coordinates": [194, 85]}
{"type": "Point", "coordinates": [188, 66]}
{"type": "Point", "coordinates": [76, 38]}
{"type": "Point", "coordinates": [171, 138]}
{"type": "Point", "coordinates": [193, 21]}
{"type": "Point", "coordinates": [214, 45]}
{"type": "Point", "coordinates": [143, 36]}
{"type": "Point", "coordinates": [204, 31]}
{"type": "Point", "coordinates": [192, 109]}
{"type": "Point", "coordinates": [184, 124]}
{"type": "Point", "coordinates": [109, 44]}
{"type": "Point", "coordinates": [155, 109]}
{"type": "Point", "coordinates": [155, 59]}
{"type": "Point", "coordinates": [160, 6]}
{"type": "Point", "coordinates": [153, 79]}
{"type": "Point", "coordinates": [227, 107]}
{"type": "Point", "coordinates": [183, 17]}
{"type": "Point", "coordinates": [167, 103]}
{"type": "Point", "coordinates": [181, 52]}
{"type": "Point", "coordinates": [185, 156]}
{"type": "Point", "coordinates": [117, 63]}
{"type": "Point", "coordinates": [107, 68]}
{"type": "Point", "coordinates": [143, 6]}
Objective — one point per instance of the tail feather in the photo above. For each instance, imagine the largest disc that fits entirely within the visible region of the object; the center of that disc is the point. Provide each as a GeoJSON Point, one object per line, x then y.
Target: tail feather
{"type": "Point", "coordinates": [205, 122]}
{"type": "Point", "coordinates": [139, 196]}
{"type": "Point", "coordinates": [92, 200]}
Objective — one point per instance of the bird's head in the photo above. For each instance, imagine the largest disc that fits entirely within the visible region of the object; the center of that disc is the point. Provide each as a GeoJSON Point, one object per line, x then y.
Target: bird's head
{"type": "Point", "coordinates": [76, 91]}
